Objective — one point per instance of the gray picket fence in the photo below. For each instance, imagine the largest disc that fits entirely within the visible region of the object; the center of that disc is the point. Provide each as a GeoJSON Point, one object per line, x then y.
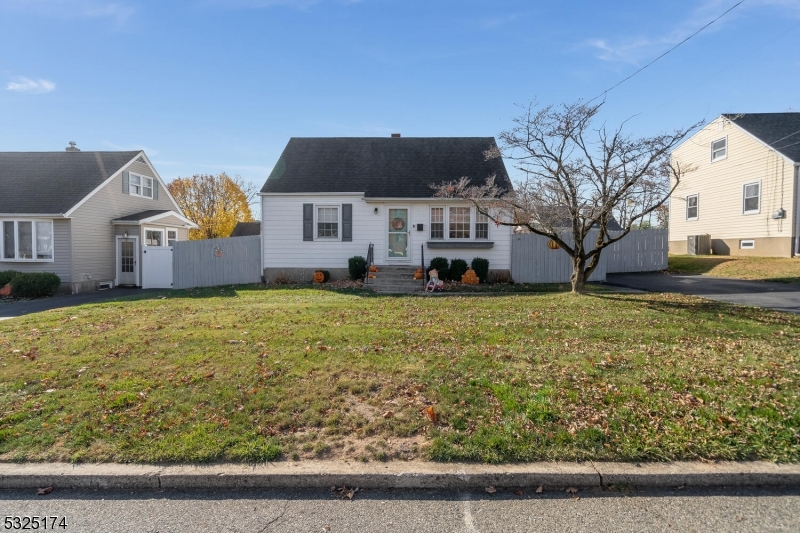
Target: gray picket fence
{"type": "Point", "coordinates": [212, 262]}
{"type": "Point", "coordinates": [532, 261]}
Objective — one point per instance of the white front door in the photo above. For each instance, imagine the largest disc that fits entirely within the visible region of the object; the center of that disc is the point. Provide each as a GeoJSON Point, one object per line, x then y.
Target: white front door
{"type": "Point", "coordinates": [398, 246]}
{"type": "Point", "coordinates": [127, 264]}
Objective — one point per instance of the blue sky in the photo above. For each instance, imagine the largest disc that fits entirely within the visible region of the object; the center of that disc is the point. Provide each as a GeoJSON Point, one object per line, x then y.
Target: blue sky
{"type": "Point", "coordinates": [212, 85]}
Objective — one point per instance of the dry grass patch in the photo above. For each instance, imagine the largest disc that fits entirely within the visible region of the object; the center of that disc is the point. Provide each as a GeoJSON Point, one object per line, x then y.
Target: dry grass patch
{"type": "Point", "coordinates": [780, 269]}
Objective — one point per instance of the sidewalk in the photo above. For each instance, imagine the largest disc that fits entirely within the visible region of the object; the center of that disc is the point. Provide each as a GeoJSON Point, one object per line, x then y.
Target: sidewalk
{"type": "Point", "coordinates": [397, 474]}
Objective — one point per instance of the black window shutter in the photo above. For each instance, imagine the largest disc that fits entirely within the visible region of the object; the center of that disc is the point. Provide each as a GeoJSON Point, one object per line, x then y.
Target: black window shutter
{"type": "Point", "coordinates": [126, 182]}
{"type": "Point", "coordinates": [308, 222]}
{"type": "Point", "coordinates": [155, 189]}
{"type": "Point", "coordinates": [347, 222]}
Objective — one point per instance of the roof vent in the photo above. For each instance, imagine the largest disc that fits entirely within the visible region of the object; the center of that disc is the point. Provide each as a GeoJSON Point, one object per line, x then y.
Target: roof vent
{"type": "Point", "coordinates": [72, 147]}
{"type": "Point", "coordinates": [395, 135]}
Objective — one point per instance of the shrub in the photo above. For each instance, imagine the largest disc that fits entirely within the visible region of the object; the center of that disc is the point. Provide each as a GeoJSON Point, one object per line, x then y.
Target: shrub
{"type": "Point", "coordinates": [442, 265]}
{"type": "Point", "coordinates": [6, 276]}
{"type": "Point", "coordinates": [458, 267]}
{"type": "Point", "coordinates": [357, 266]}
{"type": "Point", "coordinates": [281, 279]}
{"type": "Point", "coordinates": [35, 284]}
{"type": "Point", "coordinates": [327, 275]}
{"type": "Point", "coordinates": [481, 268]}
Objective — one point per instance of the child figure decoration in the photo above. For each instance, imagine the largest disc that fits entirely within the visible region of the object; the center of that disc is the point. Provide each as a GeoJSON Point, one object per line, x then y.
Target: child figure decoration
{"type": "Point", "coordinates": [434, 283]}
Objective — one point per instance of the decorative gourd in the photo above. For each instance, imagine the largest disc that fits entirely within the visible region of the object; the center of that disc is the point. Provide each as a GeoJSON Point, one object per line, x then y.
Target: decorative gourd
{"type": "Point", "coordinates": [470, 278]}
{"type": "Point", "coordinates": [373, 268]}
{"type": "Point", "coordinates": [319, 276]}
{"type": "Point", "coordinates": [553, 245]}
{"type": "Point", "coordinates": [418, 273]}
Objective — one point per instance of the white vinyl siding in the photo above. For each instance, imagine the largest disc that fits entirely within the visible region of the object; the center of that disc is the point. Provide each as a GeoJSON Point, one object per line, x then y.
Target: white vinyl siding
{"type": "Point", "coordinates": [751, 198]}
{"type": "Point", "coordinates": [27, 240]}
{"type": "Point", "coordinates": [692, 207]}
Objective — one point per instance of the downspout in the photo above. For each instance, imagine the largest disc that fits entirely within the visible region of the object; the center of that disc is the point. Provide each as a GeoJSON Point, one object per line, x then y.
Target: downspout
{"type": "Point", "coordinates": [796, 202]}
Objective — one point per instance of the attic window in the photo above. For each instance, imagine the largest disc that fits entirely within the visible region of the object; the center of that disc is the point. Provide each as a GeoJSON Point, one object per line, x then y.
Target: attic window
{"type": "Point", "coordinates": [719, 149]}
{"type": "Point", "coordinates": [141, 185]}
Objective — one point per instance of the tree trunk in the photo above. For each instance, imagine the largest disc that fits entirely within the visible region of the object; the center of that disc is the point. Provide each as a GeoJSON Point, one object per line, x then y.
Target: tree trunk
{"type": "Point", "coordinates": [578, 277]}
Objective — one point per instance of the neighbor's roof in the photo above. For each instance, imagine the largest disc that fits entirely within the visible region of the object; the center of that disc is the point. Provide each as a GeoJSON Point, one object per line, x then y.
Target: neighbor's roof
{"type": "Point", "coordinates": [781, 131]}
{"type": "Point", "coordinates": [246, 229]}
{"type": "Point", "coordinates": [53, 182]}
{"type": "Point", "coordinates": [382, 167]}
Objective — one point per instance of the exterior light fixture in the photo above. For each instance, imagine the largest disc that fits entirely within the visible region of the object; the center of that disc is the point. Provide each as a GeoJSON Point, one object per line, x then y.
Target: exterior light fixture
{"type": "Point", "coordinates": [376, 210]}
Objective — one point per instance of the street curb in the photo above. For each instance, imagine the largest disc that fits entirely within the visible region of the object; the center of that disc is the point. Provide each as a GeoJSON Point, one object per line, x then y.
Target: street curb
{"type": "Point", "coordinates": [395, 475]}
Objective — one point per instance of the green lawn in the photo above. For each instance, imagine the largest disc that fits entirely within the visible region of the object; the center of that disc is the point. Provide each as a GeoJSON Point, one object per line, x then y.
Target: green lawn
{"type": "Point", "coordinates": [781, 269]}
{"type": "Point", "coordinates": [253, 374]}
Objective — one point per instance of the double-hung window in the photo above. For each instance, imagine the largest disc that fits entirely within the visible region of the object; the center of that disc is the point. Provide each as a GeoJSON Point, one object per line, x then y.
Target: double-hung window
{"type": "Point", "coordinates": [751, 201]}
{"type": "Point", "coordinates": [719, 149]}
{"type": "Point", "coordinates": [692, 207]}
{"type": "Point", "coordinates": [481, 226]}
{"type": "Point", "coordinates": [27, 240]}
{"type": "Point", "coordinates": [459, 222]}
{"type": "Point", "coordinates": [140, 185]}
{"type": "Point", "coordinates": [437, 223]}
{"type": "Point", "coordinates": [327, 222]}
{"type": "Point", "coordinates": [172, 236]}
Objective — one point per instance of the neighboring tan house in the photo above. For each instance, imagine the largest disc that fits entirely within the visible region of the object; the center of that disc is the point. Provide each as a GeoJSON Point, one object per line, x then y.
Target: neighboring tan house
{"type": "Point", "coordinates": [744, 190]}
{"type": "Point", "coordinates": [328, 199]}
{"type": "Point", "coordinates": [86, 216]}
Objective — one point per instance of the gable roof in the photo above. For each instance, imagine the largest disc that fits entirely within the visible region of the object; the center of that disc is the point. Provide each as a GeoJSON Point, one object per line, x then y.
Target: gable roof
{"type": "Point", "coordinates": [246, 229]}
{"type": "Point", "coordinates": [781, 131]}
{"type": "Point", "coordinates": [53, 182]}
{"type": "Point", "coordinates": [382, 167]}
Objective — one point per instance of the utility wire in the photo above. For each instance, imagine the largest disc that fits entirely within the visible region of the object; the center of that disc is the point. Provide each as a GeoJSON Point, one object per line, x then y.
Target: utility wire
{"type": "Point", "coordinates": [667, 52]}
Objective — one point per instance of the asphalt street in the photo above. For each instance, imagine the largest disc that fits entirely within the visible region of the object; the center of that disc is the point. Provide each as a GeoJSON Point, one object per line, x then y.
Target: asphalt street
{"type": "Point", "coordinates": [261, 511]}
{"type": "Point", "coordinates": [778, 296]}
{"type": "Point", "coordinates": [19, 308]}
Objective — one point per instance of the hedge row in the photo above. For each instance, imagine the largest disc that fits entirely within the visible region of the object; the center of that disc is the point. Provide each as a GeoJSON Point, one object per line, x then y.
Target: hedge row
{"type": "Point", "coordinates": [30, 284]}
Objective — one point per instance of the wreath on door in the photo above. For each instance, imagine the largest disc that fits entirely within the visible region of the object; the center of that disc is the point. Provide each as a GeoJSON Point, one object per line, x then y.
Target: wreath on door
{"type": "Point", "coordinates": [398, 223]}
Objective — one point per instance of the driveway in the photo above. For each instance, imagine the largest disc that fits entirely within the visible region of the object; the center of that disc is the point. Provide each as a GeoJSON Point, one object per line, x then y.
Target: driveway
{"type": "Point", "coordinates": [778, 296]}
{"type": "Point", "coordinates": [45, 304]}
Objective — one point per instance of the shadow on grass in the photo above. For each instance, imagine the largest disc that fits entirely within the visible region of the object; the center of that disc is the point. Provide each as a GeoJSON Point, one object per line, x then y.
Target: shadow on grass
{"type": "Point", "coordinates": [695, 264]}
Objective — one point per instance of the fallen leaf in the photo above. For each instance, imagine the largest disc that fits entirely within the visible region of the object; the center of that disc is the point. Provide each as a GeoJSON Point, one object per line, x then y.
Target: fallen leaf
{"type": "Point", "coordinates": [491, 490]}
{"type": "Point", "coordinates": [430, 412]}
{"type": "Point", "coordinates": [519, 492]}
{"type": "Point", "coordinates": [46, 490]}
{"type": "Point", "coordinates": [387, 414]}
{"type": "Point", "coordinates": [539, 489]}
{"type": "Point", "coordinates": [571, 490]}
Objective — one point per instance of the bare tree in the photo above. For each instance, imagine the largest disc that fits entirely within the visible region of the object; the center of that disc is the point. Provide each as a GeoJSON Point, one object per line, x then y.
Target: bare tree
{"type": "Point", "coordinates": [576, 179]}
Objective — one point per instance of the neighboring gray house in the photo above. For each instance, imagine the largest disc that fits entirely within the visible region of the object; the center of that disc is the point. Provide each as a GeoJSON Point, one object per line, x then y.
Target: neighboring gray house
{"type": "Point", "coordinates": [86, 216]}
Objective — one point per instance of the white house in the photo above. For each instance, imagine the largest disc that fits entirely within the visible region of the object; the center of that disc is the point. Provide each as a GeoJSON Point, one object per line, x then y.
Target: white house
{"type": "Point", "coordinates": [328, 199]}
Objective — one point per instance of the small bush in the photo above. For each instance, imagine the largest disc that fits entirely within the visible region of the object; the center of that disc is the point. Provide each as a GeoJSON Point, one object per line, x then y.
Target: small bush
{"type": "Point", "coordinates": [502, 276]}
{"type": "Point", "coordinates": [35, 284]}
{"type": "Point", "coordinates": [481, 268]}
{"type": "Point", "coordinates": [458, 267]}
{"type": "Point", "coordinates": [357, 266]}
{"type": "Point", "coordinates": [442, 265]}
{"type": "Point", "coordinates": [327, 275]}
{"type": "Point", "coordinates": [6, 276]}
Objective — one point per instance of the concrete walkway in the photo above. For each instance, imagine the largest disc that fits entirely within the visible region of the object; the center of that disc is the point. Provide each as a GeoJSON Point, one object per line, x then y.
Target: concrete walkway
{"type": "Point", "coordinates": [396, 475]}
{"type": "Point", "coordinates": [779, 296]}
{"type": "Point", "coordinates": [45, 304]}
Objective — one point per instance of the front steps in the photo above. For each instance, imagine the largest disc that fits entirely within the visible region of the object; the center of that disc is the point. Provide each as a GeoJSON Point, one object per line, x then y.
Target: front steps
{"type": "Point", "coordinates": [395, 279]}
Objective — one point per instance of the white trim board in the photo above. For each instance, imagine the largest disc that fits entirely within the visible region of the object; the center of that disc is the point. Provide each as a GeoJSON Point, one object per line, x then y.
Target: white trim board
{"type": "Point", "coordinates": [153, 219]}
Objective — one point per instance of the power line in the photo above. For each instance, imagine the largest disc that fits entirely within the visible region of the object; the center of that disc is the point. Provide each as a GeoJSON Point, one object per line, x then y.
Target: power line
{"type": "Point", "coordinates": [667, 52]}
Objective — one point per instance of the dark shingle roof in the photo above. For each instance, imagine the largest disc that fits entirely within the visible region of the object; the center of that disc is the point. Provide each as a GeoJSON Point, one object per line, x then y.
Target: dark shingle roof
{"type": "Point", "coordinates": [779, 130]}
{"type": "Point", "coordinates": [53, 182]}
{"type": "Point", "coordinates": [246, 229]}
{"type": "Point", "coordinates": [382, 167]}
{"type": "Point", "coordinates": [143, 215]}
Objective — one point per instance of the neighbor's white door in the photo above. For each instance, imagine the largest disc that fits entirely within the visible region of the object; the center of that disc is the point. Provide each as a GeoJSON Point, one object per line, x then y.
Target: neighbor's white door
{"type": "Point", "coordinates": [126, 261]}
{"type": "Point", "coordinates": [398, 233]}
{"type": "Point", "coordinates": [157, 267]}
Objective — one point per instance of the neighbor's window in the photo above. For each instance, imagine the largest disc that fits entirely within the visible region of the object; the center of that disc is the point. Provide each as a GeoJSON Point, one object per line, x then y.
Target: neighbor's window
{"type": "Point", "coordinates": [141, 185]}
{"type": "Point", "coordinates": [27, 240]}
{"type": "Point", "coordinates": [752, 198]}
{"type": "Point", "coordinates": [172, 236]}
{"type": "Point", "coordinates": [153, 237]}
{"type": "Point", "coordinates": [719, 149]}
{"type": "Point", "coordinates": [691, 207]}
{"type": "Point", "coordinates": [459, 222]}
{"type": "Point", "coordinates": [481, 226]}
{"type": "Point", "coordinates": [437, 222]}
{"type": "Point", "coordinates": [327, 222]}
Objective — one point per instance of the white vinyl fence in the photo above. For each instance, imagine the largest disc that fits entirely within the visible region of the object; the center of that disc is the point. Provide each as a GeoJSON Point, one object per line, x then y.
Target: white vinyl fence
{"type": "Point", "coordinates": [532, 261]}
{"type": "Point", "coordinates": [157, 267]}
{"type": "Point", "coordinates": [212, 262]}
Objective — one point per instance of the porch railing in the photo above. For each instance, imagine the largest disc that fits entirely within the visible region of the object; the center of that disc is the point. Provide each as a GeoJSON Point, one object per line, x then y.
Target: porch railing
{"type": "Point", "coordinates": [424, 274]}
{"type": "Point", "coordinates": [370, 261]}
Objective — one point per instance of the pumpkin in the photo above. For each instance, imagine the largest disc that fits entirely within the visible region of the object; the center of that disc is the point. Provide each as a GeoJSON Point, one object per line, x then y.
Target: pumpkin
{"type": "Point", "coordinates": [373, 268]}
{"type": "Point", "coordinates": [418, 273]}
{"type": "Point", "coordinates": [319, 276]}
{"type": "Point", "coordinates": [470, 278]}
